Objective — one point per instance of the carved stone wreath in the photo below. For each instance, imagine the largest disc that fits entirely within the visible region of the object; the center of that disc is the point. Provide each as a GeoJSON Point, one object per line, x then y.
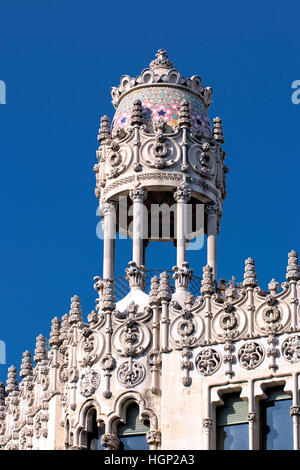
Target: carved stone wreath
{"type": "Point", "coordinates": [271, 316]}
{"type": "Point", "coordinates": [208, 361]}
{"type": "Point", "coordinates": [291, 348]}
{"type": "Point", "coordinates": [131, 373]}
{"type": "Point", "coordinates": [250, 355]}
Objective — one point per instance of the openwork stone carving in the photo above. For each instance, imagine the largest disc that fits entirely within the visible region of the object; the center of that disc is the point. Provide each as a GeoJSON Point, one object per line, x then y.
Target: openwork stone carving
{"type": "Point", "coordinates": [131, 373]}
{"type": "Point", "coordinates": [89, 382]}
{"type": "Point", "coordinates": [291, 349]}
{"type": "Point", "coordinates": [208, 361]}
{"type": "Point", "coordinates": [250, 355]}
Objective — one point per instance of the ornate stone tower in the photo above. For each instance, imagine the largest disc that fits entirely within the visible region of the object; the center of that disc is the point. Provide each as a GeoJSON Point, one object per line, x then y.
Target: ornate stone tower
{"type": "Point", "coordinates": [170, 366]}
{"type": "Point", "coordinates": [161, 149]}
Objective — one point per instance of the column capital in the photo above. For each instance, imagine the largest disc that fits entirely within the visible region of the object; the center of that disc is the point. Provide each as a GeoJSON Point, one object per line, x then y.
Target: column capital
{"type": "Point", "coordinates": [107, 207]}
{"type": "Point", "coordinates": [211, 209]}
{"type": "Point", "coordinates": [182, 193]}
{"type": "Point", "coordinates": [138, 193]}
{"type": "Point", "coordinates": [135, 275]}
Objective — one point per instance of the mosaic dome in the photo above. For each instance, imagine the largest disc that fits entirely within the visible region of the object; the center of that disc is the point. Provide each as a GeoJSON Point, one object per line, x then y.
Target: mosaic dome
{"type": "Point", "coordinates": [161, 89]}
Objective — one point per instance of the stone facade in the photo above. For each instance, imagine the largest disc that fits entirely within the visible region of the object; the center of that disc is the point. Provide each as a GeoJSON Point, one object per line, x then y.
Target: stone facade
{"type": "Point", "coordinates": [172, 351]}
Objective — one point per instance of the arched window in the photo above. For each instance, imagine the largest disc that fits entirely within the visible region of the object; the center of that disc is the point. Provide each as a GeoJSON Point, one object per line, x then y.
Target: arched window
{"type": "Point", "coordinates": [133, 434]}
{"type": "Point", "coordinates": [232, 423]}
{"type": "Point", "coordinates": [94, 433]}
{"type": "Point", "coordinates": [276, 423]}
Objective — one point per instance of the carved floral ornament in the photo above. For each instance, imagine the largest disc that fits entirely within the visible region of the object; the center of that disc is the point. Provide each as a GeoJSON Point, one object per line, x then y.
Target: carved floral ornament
{"type": "Point", "coordinates": [131, 373]}
{"type": "Point", "coordinates": [208, 361]}
{"type": "Point", "coordinates": [291, 348]}
{"type": "Point", "coordinates": [251, 355]}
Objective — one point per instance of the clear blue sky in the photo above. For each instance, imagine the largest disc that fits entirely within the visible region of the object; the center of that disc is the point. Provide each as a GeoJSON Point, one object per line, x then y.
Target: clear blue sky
{"type": "Point", "coordinates": [59, 59]}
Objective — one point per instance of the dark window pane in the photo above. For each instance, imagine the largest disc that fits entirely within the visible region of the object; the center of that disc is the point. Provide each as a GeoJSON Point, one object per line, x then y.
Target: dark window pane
{"type": "Point", "coordinates": [138, 442]}
{"type": "Point", "coordinates": [277, 425]}
{"type": "Point", "coordinates": [234, 437]}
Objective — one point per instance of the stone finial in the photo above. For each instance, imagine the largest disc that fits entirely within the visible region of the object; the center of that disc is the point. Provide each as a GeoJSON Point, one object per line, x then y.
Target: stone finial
{"type": "Point", "coordinates": [137, 113]}
{"type": "Point", "coordinates": [40, 353]}
{"type": "Point", "coordinates": [161, 62]}
{"type": "Point", "coordinates": [64, 328]}
{"type": "Point", "coordinates": [292, 272]}
{"type": "Point", "coordinates": [104, 131]}
{"type": "Point", "coordinates": [26, 366]}
{"type": "Point", "coordinates": [55, 332]}
{"type": "Point", "coordinates": [12, 380]}
{"type": "Point", "coordinates": [218, 131]}
{"type": "Point", "coordinates": [75, 311]}
{"type": "Point", "coordinates": [108, 298]}
{"type": "Point", "coordinates": [2, 394]}
{"type": "Point", "coordinates": [250, 274]}
{"type": "Point", "coordinates": [164, 292]}
{"type": "Point", "coordinates": [208, 282]}
{"type": "Point", "coordinates": [273, 286]}
{"type": "Point", "coordinates": [184, 114]}
{"type": "Point", "coordinates": [154, 291]}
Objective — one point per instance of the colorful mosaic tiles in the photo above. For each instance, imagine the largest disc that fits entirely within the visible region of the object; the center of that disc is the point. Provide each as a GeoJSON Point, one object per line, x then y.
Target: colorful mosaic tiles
{"type": "Point", "coordinates": [161, 102]}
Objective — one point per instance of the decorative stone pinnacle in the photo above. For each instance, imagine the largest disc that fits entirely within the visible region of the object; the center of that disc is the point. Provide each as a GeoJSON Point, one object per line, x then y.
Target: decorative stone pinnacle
{"type": "Point", "coordinates": [55, 332]}
{"type": "Point", "coordinates": [250, 274]}
{"type": "Point", "coordinates": [26, 366]}
{"type": "Point", "coordinates": [273, 286]}
{"type": "Point", "coordinates": [104, 131]}
{"type": "Point", "coordinates": [12, 380]}
{"type": "Point", "coordinates": [207, 283]}
{"type": "Point", "coordinates": [75, 311]}
{"type": "Point", "coordinates": [137, 113]}
{"type": "Point", "coordinates": [108, 299]}
{"type": "Point", "coordinates": [64, 328]}
{"type": "Point", "coordinates": [161, 61]}
{"type": "Point", "coordinates": [164, 292]}
{"type": "Point", "coordinates": [184, 114]}
{"type": "Point", "coordinates": [40, 353]}
{"type": "Point", "coordinates": [293, 273]}
{"type": "Point", "coordinates": [2, 394]}
{"type": "Point", "coordinates": [154, 291]}
{"type": "Point", "coordinates": [218, 131]}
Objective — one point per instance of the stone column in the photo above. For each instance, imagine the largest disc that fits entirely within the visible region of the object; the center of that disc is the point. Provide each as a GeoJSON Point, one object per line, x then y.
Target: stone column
{"type": "Point", "coordinates": [211, 230]}
{"type": "Point", "coordinates": [108, 212]}
{"type": "Point", "coordinates": [137, 195]}
{"type": "Point", "coordinates": [182, 195]}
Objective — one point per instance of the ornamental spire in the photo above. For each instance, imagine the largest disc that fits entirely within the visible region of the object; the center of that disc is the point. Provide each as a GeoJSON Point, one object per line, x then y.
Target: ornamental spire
{"type": "Point", "coordinates": [250, 274]}
{"type": "Point", "coordinates": [292, 272]}
{"type": "Point", "coordinates": [218, 131]}
{"type": "Point", "coordinates": [55, 332]}
{"type": "Point", "coordinates": [40, 353]}
{"type": "Point", "coordinates": [26, 366]}
{"type": "Point", "coordinates": [137, 113]}
{"type": "Point", "coordinates": [75, 311]}
{"type": "Point", "coordinates": [207, 283]}
{"type": "Point", "coordinates": [2, 394]}
{"type": "Point", "coordinates": [104, 131]}
{"type": "Point", "coordinates": [12, 380]}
